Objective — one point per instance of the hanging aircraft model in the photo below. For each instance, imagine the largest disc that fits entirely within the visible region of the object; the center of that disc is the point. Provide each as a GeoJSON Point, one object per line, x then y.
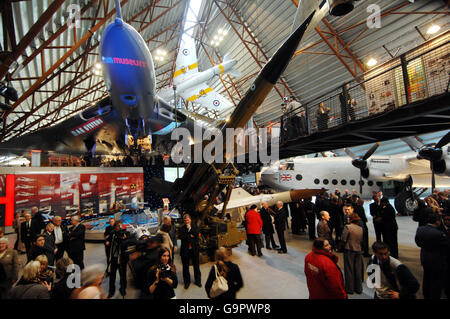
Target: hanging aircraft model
{"type": "Point", "coordinates": [191, 84]}
{"type": "Point", "coordinates": [395, 175]}
{"type": "Point", "coordinates": [132, 107]}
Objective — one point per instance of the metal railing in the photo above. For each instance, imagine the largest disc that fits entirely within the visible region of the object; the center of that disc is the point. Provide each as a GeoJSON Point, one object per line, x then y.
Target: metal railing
{"type": "Point", "coordinates": [422, 72]}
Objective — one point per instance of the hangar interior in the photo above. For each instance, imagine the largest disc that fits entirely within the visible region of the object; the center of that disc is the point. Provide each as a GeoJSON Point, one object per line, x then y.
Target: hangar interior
{"type": "Point", "coordinates": [389, 59]}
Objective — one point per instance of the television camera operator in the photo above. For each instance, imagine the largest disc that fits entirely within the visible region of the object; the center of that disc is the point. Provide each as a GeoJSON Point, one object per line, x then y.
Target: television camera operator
{"type": "Point", "coordinates": [118, 258]}
{"type": "Point", "coordinates": [143, 255]}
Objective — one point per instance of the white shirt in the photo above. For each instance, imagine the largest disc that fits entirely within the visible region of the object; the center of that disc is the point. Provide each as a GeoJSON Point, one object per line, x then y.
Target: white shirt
{"type": "Point", "coordinates": [58, 235]}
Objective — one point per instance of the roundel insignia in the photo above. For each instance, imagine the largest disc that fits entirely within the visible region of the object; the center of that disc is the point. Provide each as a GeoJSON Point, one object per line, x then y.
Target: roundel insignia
{"type": "Point", "coordinates": [216, 103]}
{"type": "Point", "coordinates": [185, 51]}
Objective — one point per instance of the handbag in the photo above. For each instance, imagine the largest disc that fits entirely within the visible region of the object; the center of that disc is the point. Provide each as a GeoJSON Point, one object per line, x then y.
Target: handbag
{"type": "Point", "coordinates": [219, 286]}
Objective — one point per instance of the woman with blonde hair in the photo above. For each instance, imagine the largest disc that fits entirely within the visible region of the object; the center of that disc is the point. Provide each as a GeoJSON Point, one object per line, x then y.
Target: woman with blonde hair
{"type": "Point", "coordinates": [45, 274]}
{"type": "Point", "coordinates": [30, 286]}
{"type": "Point", "coordinates": [227, 269]}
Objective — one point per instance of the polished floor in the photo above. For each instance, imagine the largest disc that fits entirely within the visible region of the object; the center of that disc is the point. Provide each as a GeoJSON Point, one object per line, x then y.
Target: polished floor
{"type": "Point", "coordinates": [273, 275]}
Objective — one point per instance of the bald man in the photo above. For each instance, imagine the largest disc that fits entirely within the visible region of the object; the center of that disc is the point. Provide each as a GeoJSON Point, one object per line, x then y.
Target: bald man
{"type": "Point", "coordinates": [75, 243]}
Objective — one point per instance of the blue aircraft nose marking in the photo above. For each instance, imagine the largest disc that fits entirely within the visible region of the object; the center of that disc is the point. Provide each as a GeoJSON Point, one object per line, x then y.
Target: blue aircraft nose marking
{"type": "Point", "coordinates": [130, 100]}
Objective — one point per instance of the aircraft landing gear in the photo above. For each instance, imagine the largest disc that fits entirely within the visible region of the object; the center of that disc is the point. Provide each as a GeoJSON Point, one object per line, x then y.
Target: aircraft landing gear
{"type": "Point", "coordinates": [407, 201]}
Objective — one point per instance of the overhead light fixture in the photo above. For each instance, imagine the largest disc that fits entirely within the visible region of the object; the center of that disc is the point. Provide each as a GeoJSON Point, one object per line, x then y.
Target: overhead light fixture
{"type": "Point", "coordinates": [371, 62]}
{"type": "Point", "coordinates": [160, 54]}
{"type": "Point", "coordinates": [433, 29]}
{"type": "Point", "coordinates": [98, 65]}
{"type": "Point", "coordinates": [218, 37]}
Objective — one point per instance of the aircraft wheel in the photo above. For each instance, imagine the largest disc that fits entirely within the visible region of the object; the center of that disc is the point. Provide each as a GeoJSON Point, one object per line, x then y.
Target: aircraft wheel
{"type": "Point", "coordinates": [405, 204]}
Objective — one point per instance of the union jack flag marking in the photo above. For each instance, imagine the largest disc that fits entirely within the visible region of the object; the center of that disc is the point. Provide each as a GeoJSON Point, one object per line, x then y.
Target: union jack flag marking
{"type": "Point", "coordinates": [285, 177]}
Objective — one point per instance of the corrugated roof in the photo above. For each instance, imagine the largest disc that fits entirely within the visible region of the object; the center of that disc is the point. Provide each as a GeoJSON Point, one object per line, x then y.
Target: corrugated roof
{"type": "Point", "coordinates": [308, 75]}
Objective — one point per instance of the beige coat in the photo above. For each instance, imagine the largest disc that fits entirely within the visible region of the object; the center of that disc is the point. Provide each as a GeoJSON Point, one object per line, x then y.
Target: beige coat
{"type": "Point", "coordinates": [11, 264]}
{"type": "Point", "coordinates": [352, 237]}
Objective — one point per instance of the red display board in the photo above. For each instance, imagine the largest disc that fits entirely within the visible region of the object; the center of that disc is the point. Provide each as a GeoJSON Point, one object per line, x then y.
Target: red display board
{"type": "Point", "coordinates": [68, 191]}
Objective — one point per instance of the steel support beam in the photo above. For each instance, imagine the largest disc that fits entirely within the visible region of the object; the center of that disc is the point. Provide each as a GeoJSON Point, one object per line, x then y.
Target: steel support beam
{"type": "Point", "coordinates": [30, 36]}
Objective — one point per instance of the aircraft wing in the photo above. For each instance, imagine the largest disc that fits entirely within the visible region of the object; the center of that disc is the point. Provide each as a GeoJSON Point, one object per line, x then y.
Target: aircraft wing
{"type": "Point", "coordinates": [99, 124]}
{"type": "Point", "coordinates": [206, 97]}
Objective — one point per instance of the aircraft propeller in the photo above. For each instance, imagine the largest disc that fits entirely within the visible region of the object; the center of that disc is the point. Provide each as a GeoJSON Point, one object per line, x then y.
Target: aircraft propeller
{"type": "Point", "coordinates": [361, 162]}
{"type": "Point", "coordinates": [434, 155]}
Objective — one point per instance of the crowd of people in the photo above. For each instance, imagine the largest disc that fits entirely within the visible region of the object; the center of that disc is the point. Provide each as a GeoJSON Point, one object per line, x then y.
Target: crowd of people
{"type": "Point", "coordinates": [53, 251]}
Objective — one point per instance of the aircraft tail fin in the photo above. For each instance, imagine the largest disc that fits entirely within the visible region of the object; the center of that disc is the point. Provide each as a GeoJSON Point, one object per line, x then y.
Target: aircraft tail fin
{"type": "Point", "coordinates": [187, 63]}
{"type": "Point", "coordinates": [227, 57]}
{"type": "Point", "coordinates": [119, 11]}
{"type": "Point", "coordinates": [304, 9]}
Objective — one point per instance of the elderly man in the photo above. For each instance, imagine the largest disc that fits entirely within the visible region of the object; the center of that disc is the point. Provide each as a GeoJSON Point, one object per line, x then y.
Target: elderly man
{"type": "Point", "coordinates": [49, 236]}
{"type": "Point", "coordinates": [280, 217]}
{"type": "Point", "coordinates": [60, 232]}
{"type": "Point", "coordinates": [75, 245]}
{"type": "Point", "coordinates": [9, 261]}
{"type": "Point", "coordinates": [38, 224]}
{"type": "Point", "coordinates": [323, 229]}
{"type": "Point", "coordinates": [27, 235]}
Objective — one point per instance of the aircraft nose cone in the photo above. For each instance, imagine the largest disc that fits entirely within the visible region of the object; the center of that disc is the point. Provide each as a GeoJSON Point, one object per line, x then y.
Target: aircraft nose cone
{"type": "Point", "coordinates": [430, 153]}
{"type": "Point", "coordinates": [359, 163]}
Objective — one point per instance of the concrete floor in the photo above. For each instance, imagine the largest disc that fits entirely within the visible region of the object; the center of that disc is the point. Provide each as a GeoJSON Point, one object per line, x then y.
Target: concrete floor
{"type": "Point", "coordinates": [273, 276]}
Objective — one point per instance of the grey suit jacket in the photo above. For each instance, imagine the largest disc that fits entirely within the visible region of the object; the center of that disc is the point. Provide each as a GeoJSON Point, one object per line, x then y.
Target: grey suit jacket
{"type": "Point", "coordinates": [352, 237]}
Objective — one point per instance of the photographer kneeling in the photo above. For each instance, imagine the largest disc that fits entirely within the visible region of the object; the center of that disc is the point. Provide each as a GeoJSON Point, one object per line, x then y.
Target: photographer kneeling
{"type": "Point", "coordinates": [162, 277]}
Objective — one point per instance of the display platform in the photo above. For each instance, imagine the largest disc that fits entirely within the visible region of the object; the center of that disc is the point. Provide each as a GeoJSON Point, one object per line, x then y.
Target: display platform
{"type": "Point", "coordinates": [143, 219]}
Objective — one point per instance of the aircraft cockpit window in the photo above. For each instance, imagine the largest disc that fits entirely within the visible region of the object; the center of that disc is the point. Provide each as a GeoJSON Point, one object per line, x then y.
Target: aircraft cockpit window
{"type": "Point", "coordinates": [290, 166]}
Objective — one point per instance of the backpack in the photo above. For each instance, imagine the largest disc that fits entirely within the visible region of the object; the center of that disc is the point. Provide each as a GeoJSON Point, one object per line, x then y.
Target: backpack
{"type": "Point", "coordinates": [219, 286]}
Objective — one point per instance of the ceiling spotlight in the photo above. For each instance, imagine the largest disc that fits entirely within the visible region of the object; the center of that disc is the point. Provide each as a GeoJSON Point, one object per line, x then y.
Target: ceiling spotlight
{"type": "Point", "coordinates": [98, 65]}
{"type": "Point", "coordinates": [220, 31]}
{"type": "Point", "coordinates": [433, 29]}
{"type": "Point", "coordinates": [372, 62]}
{"type": "Point", "coordinates": [225, 32]}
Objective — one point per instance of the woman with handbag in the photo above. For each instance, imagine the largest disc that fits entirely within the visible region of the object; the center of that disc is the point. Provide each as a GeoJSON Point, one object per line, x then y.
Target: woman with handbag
{"type": "Point", "coordinates": [224, 279]}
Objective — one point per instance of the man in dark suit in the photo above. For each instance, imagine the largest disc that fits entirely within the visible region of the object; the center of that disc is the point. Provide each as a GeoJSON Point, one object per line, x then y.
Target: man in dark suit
{"type": "Point", "coordinates": [75, 243]}
{"type": "Point", "coordinates": [280, 225]}
{"type": "Point", "coordinates": [375, 213]}
{"type": "Point", "coordinates": [108, 237]}
{"type": "Point", "coordinates": [389, 227]}
{"type": "Point", "coordinates": [27, 234]}
{"type": "Point", "coordinates": [49, 237]}
{"type": "Point", "coordinates": [190, 250]}
{"type": "Point", "coordinates": [38, 224]}
{"type": "Point", "coordinates": [267, 225]}
{"type": "Point", "coordinates": [308, 205]}
{"type": "Point", "coordinates": [60, 233]}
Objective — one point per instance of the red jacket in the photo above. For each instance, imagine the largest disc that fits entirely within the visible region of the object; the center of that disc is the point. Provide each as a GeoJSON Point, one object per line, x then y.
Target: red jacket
{"type": "Point", "coordinates": [323, 276]}
{"type": "Point", "coordinates": [254, 222]}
